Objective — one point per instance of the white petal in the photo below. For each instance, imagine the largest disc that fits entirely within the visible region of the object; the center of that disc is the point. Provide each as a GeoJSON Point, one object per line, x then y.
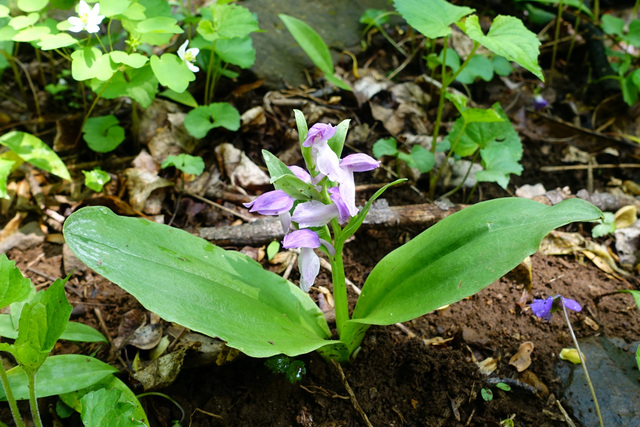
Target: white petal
{"type": "Point", "coordinates": [92, 28]}
{"type": "Point", "coordinates": [192, 67]}
{"type": "Point", "coordinates": [327, 162]}
{"type": "Point", "coordinates": [76, 24]}
{"type": "Point", "coordinates": [183, 49]}
{"type": "Point", "coordinates": [309, 266]}
{"type": "Point", "coordinates": [95, 12]}
{"type": "Point", "coordinates": [194, 51]}
{"type": "Point", "coordinates": [83, 8]}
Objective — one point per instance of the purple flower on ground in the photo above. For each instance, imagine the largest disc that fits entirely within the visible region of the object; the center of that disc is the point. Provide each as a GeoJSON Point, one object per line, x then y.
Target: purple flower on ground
{"type": "Point", "coordinates": [308, 261]}
{"type": "Point", "coordinates": [544, 308]}
{"type": "Point", "coordinates": [539, 102]}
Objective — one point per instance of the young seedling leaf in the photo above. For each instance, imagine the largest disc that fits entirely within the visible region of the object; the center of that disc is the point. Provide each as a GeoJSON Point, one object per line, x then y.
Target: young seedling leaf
{"type": "Point", "coordinates": [459, 256]}
{"type": "Point", "coordinates": [313, 45]}
{"type": "Point", "coordinates": [31, 34]}
{"type": "Point", "coordinates": [433, 18]}
{"type": "Point", "coordinates": [42, 321]}
{"type": "Point", "coordinates": [159, 25]}
{"type": "Point", "coordinates": [385, 147]}
{"type": "Point", "coordinates": [478, 66]}
{"type": "Point", "coordinates": [226, 21]}
{"type": "Point", "coordinates": [184, 98]}
{"type": "Point", "coordinates": [500, 159]}
{"type": "Point", "coordinates": [110, 382]}
{"type": "Point", "coordinates": [201, 120]}
{"type": "Point", "coordinates": [96, 179]}
{"type": "Point", "coordinates": [272, 249]}
{"type": "Point", "coordinates": [612, 25]}
{"type": "Point", "coordinates": [103, 134]}
{"type": "Point", "coordinates": [466, 137]}
{"type": "Point", "coordinates": [13, 285]}
{"type": "Point", "coordinates": [33, 150]}
{"type": "Point", "coordinates": [58, 375]}
{"type": "Point", "coordinates": [187, 163]}
{"type": "Point", "coordinates": [507, 37]}
{"type": "Point", "coordinates": [133, 60]}
{"type": "Point", "coordinates": [172, 72]}
{"type": "Point", "coordinates": [104, 408]}
{"type": "Point", "coordinates": [421, 158]}
{"type": "Point", "coordinates": [110, 8]}
{"type": "Point", "coordinates": [187, 280]}
{"type": "Point", "coordinates": [23, 21]}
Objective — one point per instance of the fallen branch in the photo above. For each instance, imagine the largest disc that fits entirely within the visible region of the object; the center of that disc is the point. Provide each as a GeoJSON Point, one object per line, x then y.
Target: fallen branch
{"type": "Point", "coordinates": [380, 215]}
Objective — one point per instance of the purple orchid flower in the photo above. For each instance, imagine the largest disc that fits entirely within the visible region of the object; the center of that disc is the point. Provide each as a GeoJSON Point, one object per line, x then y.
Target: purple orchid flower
{"type": "Point", "coordinates": [325, 159]}
{"type": "Point", "coordinates": [314, 214]}
{"type": "Point", "coordinates": [318, 134]}
{"type": "Point", "coordinates": [544, 308]}
{"type": "Point", "coordinates": [343, 210]}
{"type": "Point", "coordinates": [275, 202]}
{"type": "Point", "coordinates": [308, 261]}
{"type": "Point", "coordinates": [358, 162]}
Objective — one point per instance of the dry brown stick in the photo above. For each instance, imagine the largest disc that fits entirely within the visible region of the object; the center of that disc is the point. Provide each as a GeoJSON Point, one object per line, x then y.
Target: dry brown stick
{"type": "Point", "coordinates": [381, 215]}
{"type": "Point", "coordinates": [352, 396]}
{"type": "Point", "coordinates": [219, 206]}
{"type": "Point", "coordinates": [103, 325]}
{"type": "Point", "coordinates": [586, 167]}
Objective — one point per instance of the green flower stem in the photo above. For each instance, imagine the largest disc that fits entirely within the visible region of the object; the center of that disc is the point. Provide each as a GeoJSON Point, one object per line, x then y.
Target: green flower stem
{"type": "Point", "coordinates": [33, 401]}
{"type": "Point", "coordinates": [435, 178]}
{"type": "Point", "coordinates": [555, 40]}
{"type": "Point", "coordinates": [584, 365]}
{"type": "Point", "coordinates": [93, 105]}
{"type": "Point", "coordinates": [210, 72]}
{"type": "Point", "coordinates": [9, 393]}
{"type": "Point", "coordinates": [338, 278]}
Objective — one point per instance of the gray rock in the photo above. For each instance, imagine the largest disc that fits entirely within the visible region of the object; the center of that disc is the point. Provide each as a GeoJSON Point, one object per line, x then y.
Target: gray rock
{"type": "Point", "coordinates": [279, 58]}
{"type": "Point", "coordinates": [614, 374]}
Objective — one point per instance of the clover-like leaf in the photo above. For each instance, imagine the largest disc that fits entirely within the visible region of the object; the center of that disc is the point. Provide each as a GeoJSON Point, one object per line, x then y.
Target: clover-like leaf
{"type": "Point", "coordinates": [187, 163]}
{"type": "Point", "coordinates": [89, 62]}
{"type": "Point", "coordinates": [32, 33]}
{"type": "Point", "coordinates": [172, 72]}
{"type": "Point", "coordinates": [139, 84]}
{"type": "Point", "coordinates": [385, 147]}
{"type": "Point", "coordinates": [56, 41]}
{"type": "Point", "coordinates": [507, 37]}
{"type": "Point", "coordinates": [201, 120]}
{"type": "Point", "coordinates": [103, 134]}
{"type": "Point", "coordinates": [159, 25]}
{"type": "Point", "coordinates": [110, 8]}
{"type": "Point", "coordinates": [433, 18]}
{"type": "Point", "coordinates": [133, 60]}
{"type": "Point", "coordinates": [96, 179]}
{"type": "Point", "coordinates": [23, 21]}
{"type": "Point", "coordinates": [31, 5]}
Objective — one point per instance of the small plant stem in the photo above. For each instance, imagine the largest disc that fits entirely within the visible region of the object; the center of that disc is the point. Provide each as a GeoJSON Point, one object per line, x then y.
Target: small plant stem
{"type": "Point", "coordinates": [584, 365]}
{"type": "Point", "coordinates": [10, 398]}
{"type": "Point", "coordinates": [459, 186]}
{"type": "Point", "coordinates": [33, 401]}
{"type": "Point", "coordinates": [210, 76]}
{"type": "Point", "coordinates": [436, 127]}
{"type": "Point", "coordinates": [596, 12]}
{"type": "Point", "coordinates": [16, 74]}
{"type": "Point", "coordinates": [339, 283]}
{"type": "Point", "coordinates": [555, 39]}
{"type": "Point", "coordinates": [32, 87]}
{"type": "Point", "coordinates": [169, 398]}
{"type": "Point", "coordinates": [436, 177]}
{"type": "Point", "coordinates": [93, 104]}
{"type": "Point", "coordinates": [634, 13]}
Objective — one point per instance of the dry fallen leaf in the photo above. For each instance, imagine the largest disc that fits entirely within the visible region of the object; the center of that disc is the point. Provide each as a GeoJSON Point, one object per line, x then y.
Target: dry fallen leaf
{"type": "Point", "coordinates": [487, 366]}
{"type": "Point", "coordinates": [591, 323]}
{"type": "Point", "coordinates": [522, 359]}
{"type": "Point", "coordinates": [532, 379]}
{"type": "Point", "coordinates": [626, 216]}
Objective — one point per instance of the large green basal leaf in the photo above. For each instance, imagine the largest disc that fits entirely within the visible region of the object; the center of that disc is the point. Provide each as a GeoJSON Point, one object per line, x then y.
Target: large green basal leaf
{"type": "Point", "coordinates": [187, 280]}
{"type": "Point", "coordinates": [32, 149]}
{"type": "Point", "coordinates": [59, 374]}
{"type": "Point", "coordinates": [461, 255]}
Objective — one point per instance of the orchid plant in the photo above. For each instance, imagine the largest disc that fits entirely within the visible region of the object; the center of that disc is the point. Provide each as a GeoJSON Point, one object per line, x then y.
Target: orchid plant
{"type": "Point", "coordinates": [226, 294]}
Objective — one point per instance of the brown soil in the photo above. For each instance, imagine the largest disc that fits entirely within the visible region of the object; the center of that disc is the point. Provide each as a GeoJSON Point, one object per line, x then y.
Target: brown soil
{"type": "Point", "coordinates": [396, 380]}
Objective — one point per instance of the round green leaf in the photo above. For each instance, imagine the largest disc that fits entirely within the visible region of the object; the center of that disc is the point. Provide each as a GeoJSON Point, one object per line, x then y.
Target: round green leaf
{"type": "Point", "coordinates": [133, 60]}
{"type": "Point", "coordinates": [201, 120]}
{"type": "Point", "coordinates": [172, 72]}
{"type": "Point", "coordinates": [103, 134]}
{"type": "Point", "coordinates": [24, 21]}
{"type": "Point", "coordinates": [96, 179]}
{"type": "Point", "coordinates": [385, 147]}
{"type": "Point", "coordinates": [32, 5]}
{"type": "Point", "coordinates": [193, 165]}
{"type": "Point", "coordinates": [4, 11]}
{"type": "Point", "coordinates": [31, 34]}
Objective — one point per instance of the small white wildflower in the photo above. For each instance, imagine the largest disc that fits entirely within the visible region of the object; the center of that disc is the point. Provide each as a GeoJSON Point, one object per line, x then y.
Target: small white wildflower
{"type": "Point", "coordinates": [189, 56]}
{"type": "Point", "coordinates": [88, 19]}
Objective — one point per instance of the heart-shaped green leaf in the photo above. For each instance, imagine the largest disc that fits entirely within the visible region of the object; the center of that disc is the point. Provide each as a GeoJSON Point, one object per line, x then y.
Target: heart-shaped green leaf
{"type": "Point", "coordinates": [89, 62]}
{"type": "Point", "coordinates": [56, 41]}
{"type": "Point", "coordinates": [433, 18]}
{"type": "Point", "coordinates": [201, 120]}
{"type": "Point", "coordinates": [103, 134]}
{"type": "Point", "coordinates": [507, 37]}
{"type": "Point", "coordinates": [172, 72]}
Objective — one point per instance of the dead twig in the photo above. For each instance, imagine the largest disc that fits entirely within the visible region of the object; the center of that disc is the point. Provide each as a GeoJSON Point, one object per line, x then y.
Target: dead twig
{"type": "Point", "coordinates": [352, 396]}
{"type": "Point", "coordinates": [219, 206]}
{"type": "Point", "coordinates": [587, 167]}
{"type": "Point", "coordinates": [112, 347]}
